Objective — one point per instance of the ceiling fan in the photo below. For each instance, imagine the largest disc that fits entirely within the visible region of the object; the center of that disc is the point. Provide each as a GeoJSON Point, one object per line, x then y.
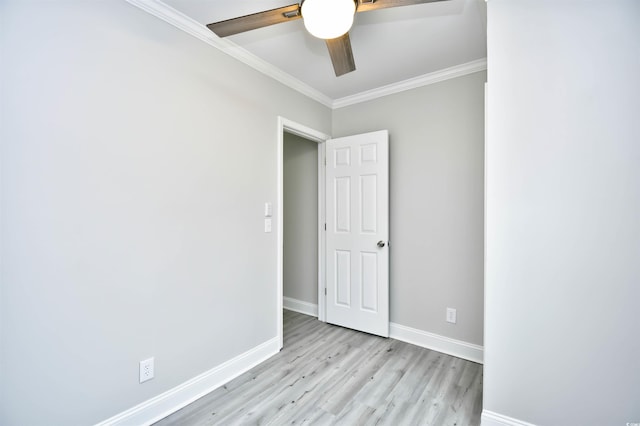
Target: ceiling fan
{"type": "Point", "coordinates": [326, 19]}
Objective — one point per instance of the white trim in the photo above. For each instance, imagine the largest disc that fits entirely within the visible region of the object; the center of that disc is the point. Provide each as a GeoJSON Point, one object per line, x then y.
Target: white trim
{"type": "Point", "coordinates": [436, 342]}
{"type": "Point", "coordinates": [406, 334]}
{"type": "Point", "coordinates": [484, 226]}
{"type": "Point", "coordinates": [413, 83]}
{"type": "Point", "coordinates": [301, 306]}
{"type": "Point", "coordinates": [489, 418]}
{"type": "Point", "coordinates": [280, 231]}
{"type": "Point", "coordinates": [322, 234]}
{"type": "Point", "coordinates": [174, 399]}
{"type": "Point", "coordinates": [319, 137]}
{"type": "Point", "coordinates": [181, 21]}
{"type": "Point", "coordinates": [410, 335]}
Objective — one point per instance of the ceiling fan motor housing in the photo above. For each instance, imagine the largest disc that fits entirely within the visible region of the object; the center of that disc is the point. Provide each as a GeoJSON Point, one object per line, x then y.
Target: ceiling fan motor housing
{"type": "Point", "coordinates": [328, 19]}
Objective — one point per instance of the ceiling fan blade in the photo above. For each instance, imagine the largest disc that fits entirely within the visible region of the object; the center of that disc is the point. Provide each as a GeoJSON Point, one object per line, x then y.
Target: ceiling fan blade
{"type": "Point", "coordinates": [255, 20]}
{"type": "Point", "coordinates": [367, 5]}
{"type": "Point", "coordinates": [341, 54]}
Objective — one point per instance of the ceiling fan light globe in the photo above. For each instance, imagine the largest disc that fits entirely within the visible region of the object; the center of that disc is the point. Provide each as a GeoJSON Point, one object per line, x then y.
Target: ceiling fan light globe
{"type": "Point", "coordinates": [328, 19]}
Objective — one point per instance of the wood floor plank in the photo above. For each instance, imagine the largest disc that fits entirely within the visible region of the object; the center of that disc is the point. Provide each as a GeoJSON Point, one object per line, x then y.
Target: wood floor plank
{"type": "Point", "coordinates": [328, 375]}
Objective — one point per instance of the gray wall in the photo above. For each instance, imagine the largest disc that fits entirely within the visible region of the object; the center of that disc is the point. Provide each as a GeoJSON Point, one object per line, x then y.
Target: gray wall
{"type": "Point", "coordinates": [437, 192]}
{"type": "Point", "coordinates": [133, 184]}
{"type": "Point", "coordinates": [563, 212]}
{"type": "Point", "coordinates": [300, 273]}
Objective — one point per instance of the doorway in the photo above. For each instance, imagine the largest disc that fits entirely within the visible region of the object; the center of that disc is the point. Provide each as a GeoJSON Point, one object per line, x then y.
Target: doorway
{"type": "Point", "coordinates": [288, 129]}
{"type": "Point", "coordinates": [300, 213]}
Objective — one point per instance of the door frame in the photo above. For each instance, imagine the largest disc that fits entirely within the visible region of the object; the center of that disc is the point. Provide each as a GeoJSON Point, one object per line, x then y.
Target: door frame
{"type": "Point", "coordinates": [320, 138]}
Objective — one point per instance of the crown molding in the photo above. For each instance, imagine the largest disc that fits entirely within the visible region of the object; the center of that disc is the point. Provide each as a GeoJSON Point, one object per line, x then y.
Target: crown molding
{"type": "Point", "coordinates": [181, 21]}
{"type": "Point", "coordinates": [412, 83]}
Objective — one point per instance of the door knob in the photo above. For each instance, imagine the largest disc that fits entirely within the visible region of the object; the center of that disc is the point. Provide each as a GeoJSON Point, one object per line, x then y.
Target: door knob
{"type": "Point", "coordinates": [380, 244]}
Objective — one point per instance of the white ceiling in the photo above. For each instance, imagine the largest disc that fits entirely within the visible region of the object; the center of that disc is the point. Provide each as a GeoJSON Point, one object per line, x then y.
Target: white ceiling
{"type": "Point", "coordinates": [389, 45]}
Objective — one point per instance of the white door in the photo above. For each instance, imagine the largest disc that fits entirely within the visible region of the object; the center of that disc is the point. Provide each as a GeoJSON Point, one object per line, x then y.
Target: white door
{"type": "Point", "coordinates": [357, 188]}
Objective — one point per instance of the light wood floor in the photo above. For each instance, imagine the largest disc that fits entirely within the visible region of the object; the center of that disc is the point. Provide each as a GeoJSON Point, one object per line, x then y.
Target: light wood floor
{"type": "Point", "coordinates": [328, 375]}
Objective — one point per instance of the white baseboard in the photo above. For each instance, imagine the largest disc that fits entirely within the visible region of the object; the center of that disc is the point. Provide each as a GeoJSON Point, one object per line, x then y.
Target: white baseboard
{"type": "Point", "coordinates": [300, 306]}
{"type": "Point", "coordinates": [436, 342]}
{"type": "Point", "coordinates": [489, 418]}
{"type": "Point", "coordinates": [414, 336]}
{"type": "Point", "coordinates": [174, 399]}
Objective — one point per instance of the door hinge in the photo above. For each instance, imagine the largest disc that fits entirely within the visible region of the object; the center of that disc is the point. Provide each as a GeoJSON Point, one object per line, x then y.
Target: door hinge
{"type": "Point", "coordinates": [325, 291]}
{"type": "Point", "coordinates": [325, 161]}
{"type": "Point", "coordinates": [325, 226]}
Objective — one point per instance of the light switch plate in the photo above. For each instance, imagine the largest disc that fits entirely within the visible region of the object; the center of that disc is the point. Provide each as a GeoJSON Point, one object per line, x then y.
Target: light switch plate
{"type": "Point", "coordinates": [268, 209]}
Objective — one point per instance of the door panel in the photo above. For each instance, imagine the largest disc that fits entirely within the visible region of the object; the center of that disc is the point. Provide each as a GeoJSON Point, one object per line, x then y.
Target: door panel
{"type": "Point", "coordinates": [343, 278]}
{"type": "Point", "coordinates": [357, 182]}
{"type": "Point", "coordinates": [368, 204]}
{"type": "Point", "coordinates": [342, 204]}
{"type": "Point", "coordinates": [369, 262]}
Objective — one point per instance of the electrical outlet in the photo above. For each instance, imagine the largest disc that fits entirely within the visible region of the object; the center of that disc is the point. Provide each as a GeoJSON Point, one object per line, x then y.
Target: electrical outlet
{"type": "Point", "coordinates": [146, 370]}
{"type": "Point", "coordinates": [451, 315]}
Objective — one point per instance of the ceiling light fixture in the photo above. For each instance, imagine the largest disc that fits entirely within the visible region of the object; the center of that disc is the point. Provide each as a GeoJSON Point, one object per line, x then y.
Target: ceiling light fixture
{"type": "Point", "coordinates": [328, 19]}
